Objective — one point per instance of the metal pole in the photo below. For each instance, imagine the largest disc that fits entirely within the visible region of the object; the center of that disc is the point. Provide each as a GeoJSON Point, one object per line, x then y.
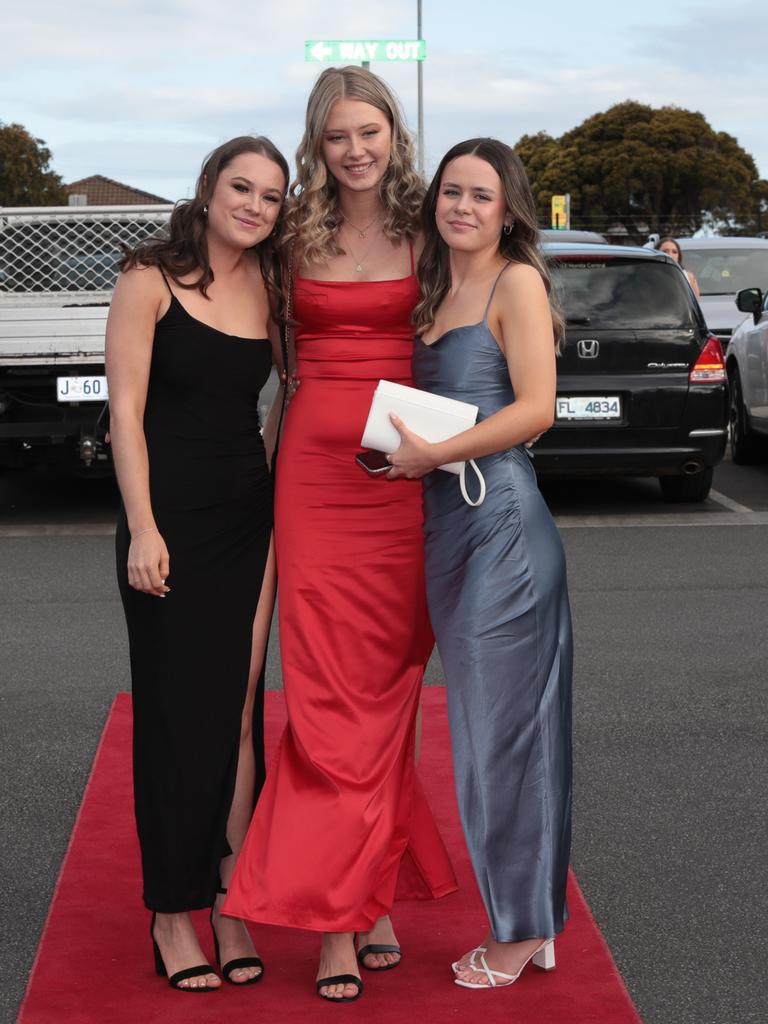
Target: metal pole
{"type": "Point", "coordinates": [420, 90]}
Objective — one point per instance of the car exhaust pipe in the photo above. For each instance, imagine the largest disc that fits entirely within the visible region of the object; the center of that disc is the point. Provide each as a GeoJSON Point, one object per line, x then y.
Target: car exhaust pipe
{"type": "Point", "coordinates": [691, 467]}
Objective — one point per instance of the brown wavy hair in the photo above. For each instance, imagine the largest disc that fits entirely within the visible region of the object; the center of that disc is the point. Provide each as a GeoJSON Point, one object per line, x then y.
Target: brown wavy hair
{"type": "Point", "coordinates": [183, 247]}
{"type": "Point", "coordinates": [312, 217]}
{"type": "Point", "coordinates": [521, 245]}
{"type": "Point", "coordinates": [674, 241]}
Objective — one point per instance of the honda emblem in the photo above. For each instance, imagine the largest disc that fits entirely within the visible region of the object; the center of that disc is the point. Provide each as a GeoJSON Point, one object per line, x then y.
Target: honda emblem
{"type": "Point", "coordinates": [588, 348]}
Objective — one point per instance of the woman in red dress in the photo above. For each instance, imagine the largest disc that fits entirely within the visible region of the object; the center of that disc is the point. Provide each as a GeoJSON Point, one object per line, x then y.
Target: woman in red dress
{"type": "Point", "coordinates": [341, 811]}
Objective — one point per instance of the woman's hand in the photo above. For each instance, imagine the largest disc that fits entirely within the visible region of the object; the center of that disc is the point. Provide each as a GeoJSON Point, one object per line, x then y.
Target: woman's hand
{"type": "Point", "coordinates": [414, 458]}
{"type": "Point", "coordinates": [148, 563]}
{"type": "Point", "coordinates": [291, 385]}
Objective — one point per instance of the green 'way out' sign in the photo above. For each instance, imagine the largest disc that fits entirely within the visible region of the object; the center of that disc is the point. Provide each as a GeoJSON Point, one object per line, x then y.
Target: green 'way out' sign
{"type": "Point", "coordinates": [337, 50]}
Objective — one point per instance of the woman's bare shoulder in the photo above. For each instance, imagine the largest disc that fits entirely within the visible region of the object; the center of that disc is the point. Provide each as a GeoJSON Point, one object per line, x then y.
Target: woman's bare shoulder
{"type": "Point", "coordinates": [139, 290]}
{"type": "Point", "coordinates": [141, 279]}
{"type": "Point", "coordinates": [519, 280]}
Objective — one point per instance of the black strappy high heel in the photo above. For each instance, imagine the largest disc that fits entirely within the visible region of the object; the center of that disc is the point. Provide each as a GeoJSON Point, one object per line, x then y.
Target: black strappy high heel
{"type": "Point", "coordinates": [341, 979]}
{"type": "Point", "coordinates": [377, 947]}
{"type": "Point", "coordinates": [238, 962]}
{"type": "Point", "coordinates": [189, 972]}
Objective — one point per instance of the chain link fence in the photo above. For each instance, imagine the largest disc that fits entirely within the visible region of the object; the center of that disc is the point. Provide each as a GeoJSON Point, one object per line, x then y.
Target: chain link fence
{"type": "Point", "coordinates": [69, 256]}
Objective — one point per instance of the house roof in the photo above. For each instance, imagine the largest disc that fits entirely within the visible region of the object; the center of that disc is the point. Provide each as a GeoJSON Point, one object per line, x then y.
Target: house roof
{"type": "Point", "coordinates": [103, 191]}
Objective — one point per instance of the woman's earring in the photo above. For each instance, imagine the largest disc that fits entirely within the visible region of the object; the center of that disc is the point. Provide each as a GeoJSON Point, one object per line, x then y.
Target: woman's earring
{"type": "Point", "coordinates": [205, 210]}
{"type": "Point", "coordinates": [508, 229]}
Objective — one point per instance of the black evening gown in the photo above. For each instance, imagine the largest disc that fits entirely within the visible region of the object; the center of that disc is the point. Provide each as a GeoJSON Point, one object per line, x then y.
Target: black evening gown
{"type": "Point", "coordinates": [190, 652]}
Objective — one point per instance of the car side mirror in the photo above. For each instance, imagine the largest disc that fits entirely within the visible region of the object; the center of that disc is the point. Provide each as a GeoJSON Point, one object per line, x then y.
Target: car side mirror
{"type": "Point", "coordinates": [750, 300]}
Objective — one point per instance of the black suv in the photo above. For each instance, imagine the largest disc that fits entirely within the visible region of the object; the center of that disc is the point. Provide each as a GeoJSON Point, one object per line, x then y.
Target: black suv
{"type": "Point", "coordinates": [641, 385]}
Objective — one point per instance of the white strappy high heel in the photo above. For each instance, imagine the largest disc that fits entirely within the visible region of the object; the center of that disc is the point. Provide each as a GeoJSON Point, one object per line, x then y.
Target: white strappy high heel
{"type": "Point", "coordinates": [456, 965]}
{"type": "Point", "coordinates": [543, 957]}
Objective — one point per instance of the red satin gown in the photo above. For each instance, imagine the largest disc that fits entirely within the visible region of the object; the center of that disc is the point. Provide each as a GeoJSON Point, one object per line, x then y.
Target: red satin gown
{"type": "Point", "coordinates": [342, 815]}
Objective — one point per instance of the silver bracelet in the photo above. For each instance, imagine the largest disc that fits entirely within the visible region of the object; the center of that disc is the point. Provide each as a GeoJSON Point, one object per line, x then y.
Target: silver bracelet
{"type": "Point", "coordinates": [149, 529]}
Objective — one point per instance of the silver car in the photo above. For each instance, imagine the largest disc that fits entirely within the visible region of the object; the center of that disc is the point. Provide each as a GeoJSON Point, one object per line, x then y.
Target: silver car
{"type": "Point", "coordinates": [723, 267]}
{"type": "Point", "coordinates": [747, 364]}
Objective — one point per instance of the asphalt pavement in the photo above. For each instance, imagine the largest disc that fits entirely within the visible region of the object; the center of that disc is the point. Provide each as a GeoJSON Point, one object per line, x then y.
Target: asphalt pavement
{"type": "Point", "coordinates": [671, 621]}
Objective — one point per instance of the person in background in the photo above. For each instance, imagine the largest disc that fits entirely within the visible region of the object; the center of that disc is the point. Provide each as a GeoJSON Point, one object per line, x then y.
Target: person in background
{"type": "Point", "coordinates": [496, 575]}
{"type": "Point", "coordinates": [672, 248]}
{"type": "Point", "coordinates": [187, 353]}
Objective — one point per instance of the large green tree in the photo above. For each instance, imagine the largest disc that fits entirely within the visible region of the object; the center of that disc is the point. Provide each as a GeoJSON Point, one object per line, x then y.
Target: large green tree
{"type": "Point", "coordinates": [25, 175]}
{"type": "Point", "coordinates": [664, 170]}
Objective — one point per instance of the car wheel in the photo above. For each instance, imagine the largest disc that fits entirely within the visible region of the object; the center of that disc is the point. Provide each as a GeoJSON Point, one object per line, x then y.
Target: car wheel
{"type": "Point", "coordinates": [745, 447]}
{"type": "Point", "coordinates": [695, 487]}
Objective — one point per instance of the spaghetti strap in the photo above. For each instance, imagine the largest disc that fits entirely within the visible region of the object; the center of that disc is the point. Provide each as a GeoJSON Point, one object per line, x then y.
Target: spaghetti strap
{"type": "Point", "coordinates": [493, 289]}
{"type": "Point", "coordinates": [410, 250]}
{"type": "Point", "coordinates": [162, 274]}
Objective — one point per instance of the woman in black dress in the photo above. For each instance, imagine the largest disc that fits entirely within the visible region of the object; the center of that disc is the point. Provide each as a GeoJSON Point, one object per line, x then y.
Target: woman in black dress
{"type": "Point", "coordinates": [187, 355]}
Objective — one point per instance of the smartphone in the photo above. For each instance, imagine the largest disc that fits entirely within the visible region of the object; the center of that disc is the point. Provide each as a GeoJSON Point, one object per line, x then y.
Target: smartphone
{"type": "Point", "coordinates": [373, 462]}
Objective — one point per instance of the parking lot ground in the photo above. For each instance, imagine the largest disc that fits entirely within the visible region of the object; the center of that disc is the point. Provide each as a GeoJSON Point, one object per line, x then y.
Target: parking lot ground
{"type": "Point", "coordinates": [671, 721]}
{"type": "Point", "coordinates": [39, 501]}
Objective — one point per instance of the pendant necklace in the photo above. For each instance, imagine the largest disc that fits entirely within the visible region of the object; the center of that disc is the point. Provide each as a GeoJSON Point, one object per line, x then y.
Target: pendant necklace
{"type": "Point", "coordinates": [358, 260]}
{"type": "Point", "coordinates": [362, 232]}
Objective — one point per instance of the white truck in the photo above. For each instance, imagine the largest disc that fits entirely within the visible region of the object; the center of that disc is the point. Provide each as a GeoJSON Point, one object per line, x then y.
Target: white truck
{"type": "Point", "coordinates": [58, 267]}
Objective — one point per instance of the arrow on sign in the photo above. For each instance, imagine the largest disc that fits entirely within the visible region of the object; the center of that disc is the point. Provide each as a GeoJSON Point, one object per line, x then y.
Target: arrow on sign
{"type": "Point", "coordinates": [320, 51]}
{"type": "Point", "coordinates": [364, 49]}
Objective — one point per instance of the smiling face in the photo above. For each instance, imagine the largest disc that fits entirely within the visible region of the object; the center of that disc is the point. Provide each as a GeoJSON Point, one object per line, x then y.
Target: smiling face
{"type": "Point", "coordinates": [246, 200]}
{"type": "Point", "coordinates": [357, 144]}
{"type": "Point", "coordinates": [471, 206]}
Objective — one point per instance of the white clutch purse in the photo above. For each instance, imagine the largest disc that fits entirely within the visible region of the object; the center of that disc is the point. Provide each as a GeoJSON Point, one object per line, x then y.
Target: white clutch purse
{"type": "Point", "coordinates": [433, 417]}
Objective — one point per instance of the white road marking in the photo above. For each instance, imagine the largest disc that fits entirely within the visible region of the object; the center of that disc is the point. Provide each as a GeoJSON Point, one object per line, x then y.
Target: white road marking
{"type": "Point", "coordinates": [723, 499]}
{"type": "Point", "coordinates": [668, 520]}
{"type": "Point", "coordinates": [58, 530]}
{"type": "Point", "coordinates": [738, 515]}
{"type": "Point", "coordinates": [564, 523]}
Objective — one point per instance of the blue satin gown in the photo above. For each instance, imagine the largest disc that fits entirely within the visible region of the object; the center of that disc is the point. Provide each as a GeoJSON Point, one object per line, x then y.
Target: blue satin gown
{"type": "Point", "coordinates": [498, 599]}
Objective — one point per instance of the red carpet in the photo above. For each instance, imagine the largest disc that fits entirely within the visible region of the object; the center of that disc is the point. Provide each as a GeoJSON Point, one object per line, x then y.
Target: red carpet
{"type": "Point", "coordinates": [94, 961]}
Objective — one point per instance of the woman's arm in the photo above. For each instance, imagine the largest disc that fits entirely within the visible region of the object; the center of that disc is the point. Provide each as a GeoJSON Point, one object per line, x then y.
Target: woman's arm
{"type": "Point", "coordinates": [521, 318]}
{"type": "Point", "coordinates": [130, 330]}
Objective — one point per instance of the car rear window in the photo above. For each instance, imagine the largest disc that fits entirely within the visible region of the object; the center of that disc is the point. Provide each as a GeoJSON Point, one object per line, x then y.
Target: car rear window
{"type": "Point", "coordinates": [620, 293]}
{"type": "Point", "coordinates": [726, 271]}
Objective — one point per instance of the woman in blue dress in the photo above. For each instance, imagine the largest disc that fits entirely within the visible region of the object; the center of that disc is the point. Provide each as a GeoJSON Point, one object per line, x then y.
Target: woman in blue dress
{"type": "Point", "coordinates": [496, 581]}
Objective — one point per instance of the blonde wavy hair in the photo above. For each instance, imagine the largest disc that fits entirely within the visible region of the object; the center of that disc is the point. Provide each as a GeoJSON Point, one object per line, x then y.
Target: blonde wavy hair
{"type": "Point", "coordinates": [520, 245]}
{"type": "Point", "coordinates": [312, 217]}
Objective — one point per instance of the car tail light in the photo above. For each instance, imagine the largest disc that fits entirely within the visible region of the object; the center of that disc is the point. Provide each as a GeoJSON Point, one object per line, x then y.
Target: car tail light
{"type": "Point", "coordinates": [709, 368]}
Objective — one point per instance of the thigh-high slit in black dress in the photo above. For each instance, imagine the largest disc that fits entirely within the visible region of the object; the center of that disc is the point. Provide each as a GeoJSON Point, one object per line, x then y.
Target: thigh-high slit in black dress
{"type": "Point", "coordinates": [190, 652]}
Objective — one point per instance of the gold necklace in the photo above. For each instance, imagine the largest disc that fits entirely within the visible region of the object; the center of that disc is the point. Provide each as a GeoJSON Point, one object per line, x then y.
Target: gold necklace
{"type": "Point", "coordinates": [358, 261]}
{"type": "Point", "coordinates": [362, 232]}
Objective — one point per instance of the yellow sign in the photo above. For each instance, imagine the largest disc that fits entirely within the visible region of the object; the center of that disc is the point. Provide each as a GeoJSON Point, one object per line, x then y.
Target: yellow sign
{"type": "Point", "coordinates": [561, 212]}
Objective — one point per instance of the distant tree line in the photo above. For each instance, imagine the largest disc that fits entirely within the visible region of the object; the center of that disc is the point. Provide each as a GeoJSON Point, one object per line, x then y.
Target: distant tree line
{"type": "Point", "coordinates": [25, 175]}
{"type": "Point", "coordinates": [630, 170]}
{"type": "Point", "coordinates": [634, 169]}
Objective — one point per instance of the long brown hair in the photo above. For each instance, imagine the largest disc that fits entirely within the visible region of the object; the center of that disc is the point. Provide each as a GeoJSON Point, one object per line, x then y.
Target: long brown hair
{"type": "Point", "coordinates": [183, 247]}
{"type": "Point", "coordinates": [312, 218]}
{"type": "Point", "coordinates": [674, 241]}
{"type": "Point", "coordinates": [521, 245]}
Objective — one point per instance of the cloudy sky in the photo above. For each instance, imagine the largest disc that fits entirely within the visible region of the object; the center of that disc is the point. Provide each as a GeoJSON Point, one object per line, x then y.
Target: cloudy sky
{"type": "Point", "coordinates": [140, 91]}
